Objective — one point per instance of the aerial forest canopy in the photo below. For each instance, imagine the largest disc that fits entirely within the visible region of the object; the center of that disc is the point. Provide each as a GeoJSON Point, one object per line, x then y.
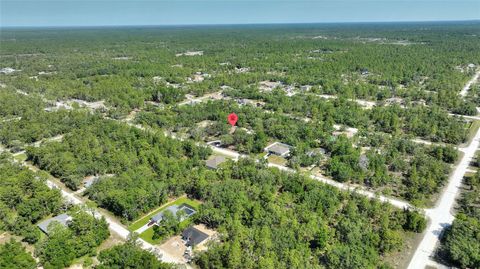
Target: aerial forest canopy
{"type": "Point", "coordinates": [117, 65]}
{"type": "Point", "coordinates": [127, 119]}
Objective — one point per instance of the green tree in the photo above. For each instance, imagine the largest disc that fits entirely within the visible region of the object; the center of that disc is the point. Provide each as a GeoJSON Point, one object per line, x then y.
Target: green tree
{"type": "Point", "coordinates": [13, 256]}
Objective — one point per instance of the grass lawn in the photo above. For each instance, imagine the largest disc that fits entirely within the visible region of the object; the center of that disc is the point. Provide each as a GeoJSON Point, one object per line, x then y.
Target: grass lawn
{"type": "Point", "coordinates": [147, 236]}
{"type": "Point", "coordinates": [472, 130]}
{"type": "Point", "coordinates": [145, 219]}
{"type": "Point", "coordinates": [261, 155]}
{"type": "Point", "coordinates": [277, 160]}
{"type": "Point", "coordinates": [20, 157]}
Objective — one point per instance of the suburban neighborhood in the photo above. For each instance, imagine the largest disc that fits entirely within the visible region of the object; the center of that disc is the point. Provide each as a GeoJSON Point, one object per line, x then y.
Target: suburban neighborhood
{"type": "Point", "coordinates": [286, 145]}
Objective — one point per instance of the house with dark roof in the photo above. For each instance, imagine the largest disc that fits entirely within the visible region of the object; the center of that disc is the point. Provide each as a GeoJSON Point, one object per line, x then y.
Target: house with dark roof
{"type": "Point", "coordinates": [174, 209]}
{"type": "Point", "coordinates": [279, 149]}
{"type": "Point", "coordinates": [193, 237]}
{"type": "Point", "coordinates": [214, 162]}
{"type": "Point", "coordinates": [62, 219]}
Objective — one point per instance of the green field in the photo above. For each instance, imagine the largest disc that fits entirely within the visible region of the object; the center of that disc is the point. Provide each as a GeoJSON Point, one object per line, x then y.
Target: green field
{"type": "Point", "coordinates": [472, 130]}
{"type": "Point", "coordinates": [277, 160]}
{"type": "Point", "coordinates": [21, 157]}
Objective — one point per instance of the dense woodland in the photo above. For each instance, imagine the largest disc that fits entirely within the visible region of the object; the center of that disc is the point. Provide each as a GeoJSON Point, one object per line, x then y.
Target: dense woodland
{"type": "Point", "coordinates": [117, 65]}
{"type": "Point", "coordinates": [13, 255]}
{"type": "Point", "coordinates": [147, 168]}
{"type": "Point", "coordinates": [25, 199]}
{"type": "Point", "coordinates": [407, 169]}
{"type": "Point", "coordinates": [129, 255]}
{"type": "Point", "coordinates": [279, 220]}
{"type": "Point", "coordinates": [461, 242]}
{"type": "Point", "coordinates": [266, 218]}
{"type": "Point", "coordinates": [81, 237]}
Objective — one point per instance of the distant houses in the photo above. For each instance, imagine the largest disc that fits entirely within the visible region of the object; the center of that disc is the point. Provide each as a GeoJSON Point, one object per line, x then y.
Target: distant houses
{"type": "Point", "coordinates": [62, 219]}
{"type": "Point", "coordinates": [279, 149]}
{"type": "Point", "coordinates": [214, 162]}
{"type": "Point", "coordinates": [174, 209]}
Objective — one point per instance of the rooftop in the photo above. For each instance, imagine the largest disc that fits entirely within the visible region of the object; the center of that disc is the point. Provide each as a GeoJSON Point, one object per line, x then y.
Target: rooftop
{"type": "Point", "coordinates": [278, 148]}
{"type": "Point", "coordinates": [63, 219]}
{"type": "Point", "coordinates": [174, 209]}
{"type": "Point", "coordinates": [193, 236]}
{"type": "Point", "coordinates": [214, 162]}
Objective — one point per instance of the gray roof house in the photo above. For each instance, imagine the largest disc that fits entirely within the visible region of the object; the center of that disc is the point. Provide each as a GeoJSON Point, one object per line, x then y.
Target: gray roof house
{"type": "Point", "coordinates": [316, 152]}
{"type": "Point", "coordinates": [193, 236]}
{"type": "Point", "coordinates": [363, 162]}
{"type": "Point", "coordinates": [214, 162]}
{"type": "Point", "coordinates": [63, 219]}
{"type": "Point", "coordinates": [280, 149]}
{"type": "Point", "coordinates": [174, 209]}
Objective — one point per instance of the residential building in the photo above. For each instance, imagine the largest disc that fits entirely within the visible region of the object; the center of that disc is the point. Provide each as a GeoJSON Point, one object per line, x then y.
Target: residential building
{"type": "Point", "coordinates": [214, 162]}
{"type": "Point", "coordinates": [279, 149]}
{"type": "Point", "coordinates": [193, 237]}
{"type": "Point", "coordinates": [63, 219]}
{"type": "Point", "coordinates": [174, 209]}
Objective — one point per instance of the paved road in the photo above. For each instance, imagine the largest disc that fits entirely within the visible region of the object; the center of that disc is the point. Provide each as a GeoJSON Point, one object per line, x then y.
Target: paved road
{"type": "Point", "coordinates": [465, 89]}
{"type": "Point", "coordinates": [441, 215]}
{"type": "Point", "coordinates": [395, 202]}
{"type": "Point", "coordinates": [366, 104]}
{"type": "Point", "coordinates": [465, 116]}
{"type": "Point", "coordinates": [142, 229]}
{"type": "Point", "coordinates": [347, 187]}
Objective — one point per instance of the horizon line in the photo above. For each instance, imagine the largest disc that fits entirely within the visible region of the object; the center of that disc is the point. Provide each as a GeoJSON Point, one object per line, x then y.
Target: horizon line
{"type": "Point", "coordinates": [233, 24]}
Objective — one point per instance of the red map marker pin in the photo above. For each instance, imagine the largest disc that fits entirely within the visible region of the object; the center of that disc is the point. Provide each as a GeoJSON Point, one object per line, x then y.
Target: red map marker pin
{"type": "Point", "coordinates": [232, 119]}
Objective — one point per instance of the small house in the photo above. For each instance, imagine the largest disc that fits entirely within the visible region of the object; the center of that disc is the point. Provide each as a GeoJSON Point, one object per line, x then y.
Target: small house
{"type": "Point", "coordinates": [316, 152]}
{"type": "Point", "coordinates": [214, 162]}
{"type": "Point", "coordinates": [174, 209]}
{"type": "Point", "coordinates": [363, 162]}
{"type": "Point", "coordinates": [193, 237]}
{"type": "Point", "coordinates": [279, 149]}
{"type": "Point", "coordinates": [63, 219]}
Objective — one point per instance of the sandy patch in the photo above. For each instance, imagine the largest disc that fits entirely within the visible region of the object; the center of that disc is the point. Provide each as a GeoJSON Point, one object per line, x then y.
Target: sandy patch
{"type": "Point", "coordinates": [175, 247]}
{"type": "Point", "coordinates": [123, 58]}
{"type": "Point", "coordinates": [8, 70]}
{"type": "Point", "coordinates": [190, 53]}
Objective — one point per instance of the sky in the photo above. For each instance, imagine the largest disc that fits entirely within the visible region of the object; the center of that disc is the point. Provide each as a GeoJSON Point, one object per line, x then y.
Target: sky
{"type": "Point", "coordinates": [187, 12]}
